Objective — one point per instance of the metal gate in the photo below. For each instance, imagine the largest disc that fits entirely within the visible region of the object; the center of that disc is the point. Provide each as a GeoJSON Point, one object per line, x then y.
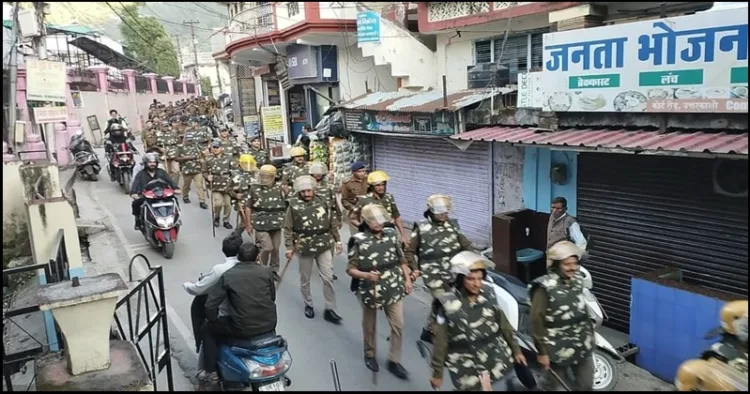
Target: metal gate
{"type": "Point", "coordinates": [151, 306]}
{"type": "Point", "coordinates": [421, 167]}
{"type": "Point", "coordinates": [644, 213]}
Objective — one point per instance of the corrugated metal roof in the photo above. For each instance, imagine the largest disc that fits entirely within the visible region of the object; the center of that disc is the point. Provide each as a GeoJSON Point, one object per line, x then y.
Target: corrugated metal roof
{"type": "Point", "coordinates": [72, 29]}
{"type": "Point", "coordinates": [638, 140]}
{"type": "Point", "coordinates": [430, 101]}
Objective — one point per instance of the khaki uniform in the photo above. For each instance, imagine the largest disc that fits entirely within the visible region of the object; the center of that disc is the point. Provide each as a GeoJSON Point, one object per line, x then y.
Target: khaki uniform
{"type": "Point", "coordinates": [191, 167]}
{"type": "Point", "coordinates": [268, 206]}
{"type": "Point", "coordinates": [326, 191]}
{"type": "Point", "coordinates": [351, 190]}
{"type": "Point", "coordinates": [562, 330]}
{"type": "Point", "coordinates": [149, 137]}
{"type": "Point", "coordinates": [474, 337]}
{"type": "Point", "coordinates": [221, 168]}
{"type": "Point", "coordinates": [309, 230]}
{"type": "Point", "coordinates": [169, 143]}
{"type": "Point", "coordinates": [383, 254]}
{"type": "Point", "coordinates": [241, 183]}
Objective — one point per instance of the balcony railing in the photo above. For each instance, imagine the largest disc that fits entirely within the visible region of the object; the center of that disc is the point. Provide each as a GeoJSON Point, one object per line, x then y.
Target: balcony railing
{"type": "Point", "coordinates": [252, 22]}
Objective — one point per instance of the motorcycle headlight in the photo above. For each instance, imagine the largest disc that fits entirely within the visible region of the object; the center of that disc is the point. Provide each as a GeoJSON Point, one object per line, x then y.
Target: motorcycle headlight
{"type": "Point", "coordinates": [259, 370]}
{"type": "Point", "coordinates": [165, 222]}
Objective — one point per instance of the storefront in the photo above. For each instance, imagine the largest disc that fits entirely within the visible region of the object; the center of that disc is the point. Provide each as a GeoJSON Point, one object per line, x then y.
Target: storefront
{"type": "Point", "coordinates": [646, 212]}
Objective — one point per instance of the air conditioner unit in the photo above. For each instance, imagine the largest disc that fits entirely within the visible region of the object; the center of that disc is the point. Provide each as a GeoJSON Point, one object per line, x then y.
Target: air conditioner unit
{"type": "Point", "coordinates": [488, 75]}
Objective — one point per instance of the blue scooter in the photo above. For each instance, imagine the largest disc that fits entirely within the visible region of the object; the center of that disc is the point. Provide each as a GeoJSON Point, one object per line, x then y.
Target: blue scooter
{"type": "Point", "coordinates": [256, 364]}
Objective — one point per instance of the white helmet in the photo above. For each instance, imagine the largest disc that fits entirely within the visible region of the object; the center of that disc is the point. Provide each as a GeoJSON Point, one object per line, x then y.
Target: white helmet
{"type": "Point", "coordinates": [466, 261]}
{"type": "Point", "coordinates": [305, 182]}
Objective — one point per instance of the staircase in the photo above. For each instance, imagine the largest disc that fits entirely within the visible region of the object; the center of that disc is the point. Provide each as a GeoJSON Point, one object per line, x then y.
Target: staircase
{"type": "Point", "coordinates": [408, 57]}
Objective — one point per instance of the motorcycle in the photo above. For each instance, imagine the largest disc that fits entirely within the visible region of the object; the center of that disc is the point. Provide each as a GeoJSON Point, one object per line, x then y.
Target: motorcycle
{"type": "Point", "coordinates": [160, 217]}
{"type": "Point", "coordinates": [259, 363]}
{"type": "Point", "coordinates": [87, 161]}
{"type": "Point", "coordinates": [513, 298]}
{"type": "Point", "coordinates": [120, 167]}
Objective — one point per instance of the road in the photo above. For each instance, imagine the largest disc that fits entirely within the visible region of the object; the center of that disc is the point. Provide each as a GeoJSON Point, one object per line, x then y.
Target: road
{"type": "Point", "coordinates": [312, 342]}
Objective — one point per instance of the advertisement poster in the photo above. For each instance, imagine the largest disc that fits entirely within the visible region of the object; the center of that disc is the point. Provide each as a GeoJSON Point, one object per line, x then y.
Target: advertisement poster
{"type": "Point", "coordinates": [46, 81]}
{"type": "Point", "coordinates": [368, 26]}
{"type": "Point", "coordinates": [686, 64]}
{"type": "Point", "coordinates": [77, 99]}
{"type": "Point", "coordinates": [273, 122]}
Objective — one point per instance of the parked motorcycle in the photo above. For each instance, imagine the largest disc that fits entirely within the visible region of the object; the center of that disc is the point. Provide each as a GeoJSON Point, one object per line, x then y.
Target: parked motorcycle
{"type": "Point", "coordinates": [86, 160]}
{"type": "Point", "coordinates": [259, 363]}
{"type": "Point", "coordinates": [160, 216]}
{"type": "Point", "coordinates": [513, 298]}
{"type": "Point", "coordinates": [121, 163]}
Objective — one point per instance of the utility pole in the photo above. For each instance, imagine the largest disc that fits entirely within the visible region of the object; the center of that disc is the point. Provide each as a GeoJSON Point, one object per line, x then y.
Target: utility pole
{"type": "Point", "coordinates": [16, 33]}
{"type": "Point", "coordinates": [195, 50]}
{"type": "Point", "coordinates": [179, 51]}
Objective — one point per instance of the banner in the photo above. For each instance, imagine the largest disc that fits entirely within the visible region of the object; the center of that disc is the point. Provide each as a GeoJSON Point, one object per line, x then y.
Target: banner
{"type": "Point", "coordinates": [273, 122]}
{"type": "Point", "coordinates": [50, 114]}
{"type": "Point", "coordinates": [46, 81]}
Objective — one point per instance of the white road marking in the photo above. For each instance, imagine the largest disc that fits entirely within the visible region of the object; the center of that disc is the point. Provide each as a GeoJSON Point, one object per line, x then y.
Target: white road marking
{"type": "Point", "coordinates": [187, 336]}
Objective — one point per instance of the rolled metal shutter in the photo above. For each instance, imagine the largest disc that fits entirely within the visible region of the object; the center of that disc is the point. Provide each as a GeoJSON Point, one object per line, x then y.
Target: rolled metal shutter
{"type": "Point", "coordinates": [647, 212]}
{"type": "Point", "coordinates": [421, 167]}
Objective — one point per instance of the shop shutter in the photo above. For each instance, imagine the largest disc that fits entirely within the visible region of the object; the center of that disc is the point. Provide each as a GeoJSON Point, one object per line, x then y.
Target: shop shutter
{"type": "Point", "coordinates": [421, 167]}
{"type": "Point", "coordinates": [647, 212]}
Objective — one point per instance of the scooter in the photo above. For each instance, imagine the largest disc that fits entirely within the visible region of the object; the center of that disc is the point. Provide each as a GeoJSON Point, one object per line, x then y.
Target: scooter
{"type": "Point", "coordinates": [513, 298]}
{"type": "Point", "coordinates": [86, 160]}
{"type": "Point", "coordinates": [258, 364]}
{"type": "Point", "coordinates": [160, 217]}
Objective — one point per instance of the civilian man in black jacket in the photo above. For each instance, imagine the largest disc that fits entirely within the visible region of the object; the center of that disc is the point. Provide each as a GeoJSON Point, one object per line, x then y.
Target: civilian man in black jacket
{"type": "Point", "coordinates": [152, 171]}
{"type": "Point", "coordinates": [251, 294]}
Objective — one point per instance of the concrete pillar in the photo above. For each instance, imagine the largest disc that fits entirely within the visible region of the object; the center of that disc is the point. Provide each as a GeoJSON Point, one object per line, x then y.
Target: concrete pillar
{"type": "Point", "coordinates": [130, 77]}
{"type": "Point", "coordinates": [72, 112]}
{"type": "Point", "coordinates": [170, 83]}
{"type": "Point", "coordinates": [579, 17]}
{"type": "Point", "coordinates": [83, 309]}
{"type": "Point", "coordinates": [101, 73]}
{"type": "Point", "coordinates": [61, 145]}
{"type": "Point", "coordinates": [152, 78]}
{"type": "Point", "coordinates": [184, 86]}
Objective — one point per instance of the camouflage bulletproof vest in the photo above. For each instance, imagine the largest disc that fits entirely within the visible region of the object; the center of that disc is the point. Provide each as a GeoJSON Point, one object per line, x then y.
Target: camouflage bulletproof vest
{"type": "Point", "coordinates": [570, 333]}
{"type": "Point", "coordinates": [220, 167]}
{"type": "Point", "coordinates": [325, 191]}
{"type": "Point", "coordinates": [293, 171]}
{"type": "Point", "coordinates": [380, 255]}
{"type": "Point", "coordinates": [438, 243]}
{"type": "Point", "coordinates": [193, 165]}
{"type": "Point", "coordinates": [241, 184]}
{"type": "Point", "coordinates": [229, 147]}
{"type": "Point", "coordinates": [312, 224]}
{"type": "Point", "coordinates": [387, 201]}
{"type": "Point", "coordinates": [268, 207]}
{"type": "Point", "coordinates": [170, 142]}
{"type": "Point", "coordinates": [475, 342]}
{"type": "Point", "coordinates": [734, 357]}
{"type": "Point", "coordinates": [261, 156]}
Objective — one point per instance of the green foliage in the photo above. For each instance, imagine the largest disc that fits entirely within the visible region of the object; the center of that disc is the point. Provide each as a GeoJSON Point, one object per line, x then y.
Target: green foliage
{"type": "Point", "coordinates": [206, 86]}
{"type": "Point", "coordinates": [147, 41]}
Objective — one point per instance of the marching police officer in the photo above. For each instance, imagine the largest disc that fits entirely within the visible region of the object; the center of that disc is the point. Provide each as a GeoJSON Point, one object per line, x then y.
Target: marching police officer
{"type": "Point", "coordinates": [190, 159]}
{"type": "Point", "coordinates": [560, 325]}
{"type": "Point", "coordinates": [382, 279]}
{"type": "Point", "coordinates": [353, 188]}
{"type": "Point", "coordinates": [169, 144]}
{"type": "Point", "coordinates": [434, 241]}
{"type": "Point", "coordinates": [260, 154]}
{"type": "Point", "coordinates": [265, 208]}
{"type": "Point", "coordinates": [220, 168]}
{"type": "Point", "coordinates": [297, 168]}
{"type": "Point", "coordinates": [376, 193]}
{"type": "Point", "coordinates": [309, 232]}
{"type": "Point", "coordinates": [473, 335]}
{"type": "Point", "coordinates": [319, 171]}
{"type": "Point", "coordinates": [241, 183]}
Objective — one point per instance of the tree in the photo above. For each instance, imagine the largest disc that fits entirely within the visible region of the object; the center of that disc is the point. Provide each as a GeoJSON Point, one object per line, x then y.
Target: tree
{"type": "Point", "coordinates": [147, 41]}
{"type": "Point", "coordinates": [206, 86]}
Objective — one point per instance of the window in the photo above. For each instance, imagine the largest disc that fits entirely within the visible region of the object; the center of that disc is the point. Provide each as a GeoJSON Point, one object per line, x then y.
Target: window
{"type": "Point", "coordinates": [514, 54]}
{"type": "Point", "coordinates": [292, 8]}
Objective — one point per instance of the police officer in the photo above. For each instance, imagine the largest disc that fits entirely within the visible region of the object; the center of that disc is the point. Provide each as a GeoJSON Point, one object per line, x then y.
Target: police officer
{"type": "Point", "coordinates": [220, 168]}
{"type": "Point", "coordinates": [241, 185]}
{"type": "Point", "coordinates": [432, 244]}
{"type": "Point", "coordinates": [732, 349]}
{"type": "Point", "coordinates": [309, 232]}
{"type": "Point", "coordinates": [229, 144]}
{"type": "Point", "coordinates": [265, 207]}
{"type": "Point", "coordinates": [260, 154]}
{"type": "Point", "coordinates": [169, 144]}
{"type": "Point", "coordinates": [709, 375]}
{"type": "Point", "coordinates": [560, 325]}
{"type": "Point", "coordinates": [473, 335]}
{"type": "Point", "coordinates": [353, 188]}
{"type": "Point", "coordinates": [319, 171]}
{"type": "Point", "coordinates": [190, 157]}
{"type": "Point", "coordinates": [149, 135]}
{"type": "Point", "coordinates": [298, 167]}
{"type": "Point", "coordinates": [382, 279]}
{"type": "Point", "coordinates": [377, 194]}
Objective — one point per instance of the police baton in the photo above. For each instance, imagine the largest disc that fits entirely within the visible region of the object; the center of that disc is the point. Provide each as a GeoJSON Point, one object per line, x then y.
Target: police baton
{"type": "Point", "coordinates": [375, 300]}
{"type": "Point", "coordinates": [283, 271]}
{"type": "Point", "coordinates": [550, 370]}
{"type": "Point", "coordinates": [211, 197]}
{"type": "Point", "coordinates": [335, 373]}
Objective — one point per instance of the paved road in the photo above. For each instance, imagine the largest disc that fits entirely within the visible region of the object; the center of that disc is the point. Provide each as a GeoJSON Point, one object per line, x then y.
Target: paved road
{"type": "Point", "coordinates": [313, 343]}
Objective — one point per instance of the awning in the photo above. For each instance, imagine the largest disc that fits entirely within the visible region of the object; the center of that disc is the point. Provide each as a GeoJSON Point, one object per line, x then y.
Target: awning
{"type": "Point", "coordinates": [635, 141]}
{"type": "Point", "coordinates": [108, 56]}
{"type": "Point", "coordinates": [422, 102]}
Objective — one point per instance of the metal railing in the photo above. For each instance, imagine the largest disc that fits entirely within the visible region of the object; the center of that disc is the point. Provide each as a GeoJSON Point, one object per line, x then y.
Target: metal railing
{"type": "Point", "coordinates": [83, 80]}
{"type": "Point", "coordinates": [191, 88]}
{"type": "Point", "coordinates": [161, 86]}
{"type": "Point", "coordinates": [142, 84]}
{"type": "Point", "coordinates": [254, 21]}
{"type": "Point", "coordinates": [153, 306]}
{"type": "Point", "coordinates": [178, 87]}
{"type": "Point", "coordinates": [56, 270]}
{"type": "Point", "coordinates": [117, 83]}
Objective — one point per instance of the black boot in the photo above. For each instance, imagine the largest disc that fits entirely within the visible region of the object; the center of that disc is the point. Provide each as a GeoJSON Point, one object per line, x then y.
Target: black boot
{"type": "Point", "coordinates": [186, 200]}
{"type": "Point", "coordinates": [335, 277]}
{"type": "Point", "coordinates": [331, 316]}
{"type": "Point", "coordinates": [227, 225]}
{"type": "Point", "coordinates": [309, 312]}
{"type": "Point", "coordinates": [426, 336]}
{"type": "Point", "coordinates": [372, 364]}
{"type": "Point", "coordinates": [398, 370]}
{"type": "Point", "coordinates": [138, 224]}
{"type": "Point", "coordinates": [216, 222]}
{"type": "Point", "coordinates": [203, 205]}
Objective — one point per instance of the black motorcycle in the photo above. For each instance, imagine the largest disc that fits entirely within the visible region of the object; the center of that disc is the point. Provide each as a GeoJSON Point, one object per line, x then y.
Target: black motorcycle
{"type": "Point", "coordinates": [86, 160]}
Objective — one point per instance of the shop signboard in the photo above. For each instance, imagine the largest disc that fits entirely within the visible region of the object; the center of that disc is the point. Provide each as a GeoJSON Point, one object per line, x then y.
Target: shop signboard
{"type": "Point", "coordinates": [685, 64]}
{"type": "Point", "coordinates": [440, 123]}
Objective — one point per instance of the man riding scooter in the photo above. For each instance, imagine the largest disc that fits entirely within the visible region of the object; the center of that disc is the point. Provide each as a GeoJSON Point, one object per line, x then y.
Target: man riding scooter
{"type": "Point", "coordinates": [151, 163]}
